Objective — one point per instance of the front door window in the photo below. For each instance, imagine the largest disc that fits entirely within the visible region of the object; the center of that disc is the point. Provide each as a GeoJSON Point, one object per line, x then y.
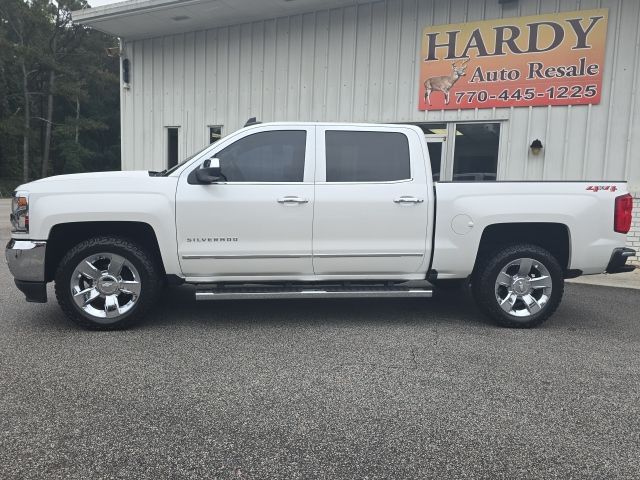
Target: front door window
{"type": "Point", "coordinates": [276, 156]}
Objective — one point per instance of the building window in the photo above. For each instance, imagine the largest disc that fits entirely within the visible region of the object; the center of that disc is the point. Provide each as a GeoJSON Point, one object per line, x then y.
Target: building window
{"type": "Point", "coordinates": [463, 152]}
{"type": "Point", "coordinates": [434, 129]}
{"type": "Point", "coordinates": [276, 156]}
{"type": "Point", "coordinates": [436, 153]}
{"type": "Point", "coordinates": [436, 136]}
{"type": "Point", "coordinates": [172, 146]}
{"type": "Point", "coordinates": [215, 133]}
{"type": "Point", "coordinates": [356, 156]}
{"type": "Point", "coordinates": [475, 154]}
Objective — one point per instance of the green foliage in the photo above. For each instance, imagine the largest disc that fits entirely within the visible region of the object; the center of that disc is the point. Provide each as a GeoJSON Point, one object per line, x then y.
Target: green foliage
{"type": "Point", "coordinates": [42, 50]}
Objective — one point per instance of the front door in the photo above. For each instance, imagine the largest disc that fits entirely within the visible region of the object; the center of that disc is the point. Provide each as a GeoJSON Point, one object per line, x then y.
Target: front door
{"type": "Point", "coordinates": [258, 221]}
{"type": "Point", "coordinates": [372, 202]}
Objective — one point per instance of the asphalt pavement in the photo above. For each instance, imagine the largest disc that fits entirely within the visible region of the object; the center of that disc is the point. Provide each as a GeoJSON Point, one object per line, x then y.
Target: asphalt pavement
{"type": "Point", "coordinates": [398, 389]}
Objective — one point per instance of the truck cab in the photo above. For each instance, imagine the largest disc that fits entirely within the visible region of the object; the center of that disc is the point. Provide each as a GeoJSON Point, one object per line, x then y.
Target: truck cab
{"type": "Point", "coordinates": [316, 202]}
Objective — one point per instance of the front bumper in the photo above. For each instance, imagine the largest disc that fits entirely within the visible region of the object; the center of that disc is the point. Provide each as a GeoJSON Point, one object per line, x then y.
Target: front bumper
{"type": "Point", "coordinates": [617, 263]}
{"type": "Point", "coordinates": [26, 260]}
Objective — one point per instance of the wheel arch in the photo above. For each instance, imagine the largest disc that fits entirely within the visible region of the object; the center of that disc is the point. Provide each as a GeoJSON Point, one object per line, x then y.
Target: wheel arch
{"type": "Point", "coordinates": [65, 236]}
{"type": "Point", "coordinates": [553, 237]}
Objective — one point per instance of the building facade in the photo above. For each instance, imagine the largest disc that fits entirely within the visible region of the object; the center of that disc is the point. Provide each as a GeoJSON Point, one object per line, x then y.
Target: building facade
{"type": "Point", "coordinates": [197, 70]}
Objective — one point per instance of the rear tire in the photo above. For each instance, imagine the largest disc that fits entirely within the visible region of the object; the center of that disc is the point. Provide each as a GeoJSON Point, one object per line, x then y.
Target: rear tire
{"type": "Point", "coordinates": [518, 286]}
{"type": "Point", "coordinates": [107, 283]}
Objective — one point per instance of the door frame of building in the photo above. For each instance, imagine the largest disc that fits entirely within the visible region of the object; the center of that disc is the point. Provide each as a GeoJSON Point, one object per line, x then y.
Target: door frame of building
{"type": "Point", "coordinates": [433, 138]}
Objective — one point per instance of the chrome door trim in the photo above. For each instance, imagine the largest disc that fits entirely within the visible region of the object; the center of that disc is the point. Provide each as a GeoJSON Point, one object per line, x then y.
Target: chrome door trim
{"type": "Point", "coordinates": [299, 255]}
{"type": "Point", "coordinates": [365, 255]}
{"type": "Point", "coordinates": [244, 257]}
{"type": "Point", "coordinates": [382, 182]}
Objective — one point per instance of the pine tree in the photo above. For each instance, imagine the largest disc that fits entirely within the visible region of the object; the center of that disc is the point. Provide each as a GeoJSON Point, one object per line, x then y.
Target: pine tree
{"type": "Point", "coordinates": [59, 93]}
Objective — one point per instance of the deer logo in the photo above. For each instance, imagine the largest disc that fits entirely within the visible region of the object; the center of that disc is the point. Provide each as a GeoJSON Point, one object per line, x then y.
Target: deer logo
{"type": "Point", "coordinates": [444, 83]}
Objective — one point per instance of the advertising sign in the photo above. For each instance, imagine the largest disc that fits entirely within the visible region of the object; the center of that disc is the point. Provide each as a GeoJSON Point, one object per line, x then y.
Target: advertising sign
{"type": "Point", "coordinates": [553, 59]}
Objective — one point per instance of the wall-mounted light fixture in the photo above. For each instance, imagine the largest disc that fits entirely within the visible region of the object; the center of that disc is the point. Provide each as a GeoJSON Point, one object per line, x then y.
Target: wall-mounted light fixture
{"type": "Point", "coordinates": [126, 72]}
{"type": "Point", "coordinates": [536, 146]}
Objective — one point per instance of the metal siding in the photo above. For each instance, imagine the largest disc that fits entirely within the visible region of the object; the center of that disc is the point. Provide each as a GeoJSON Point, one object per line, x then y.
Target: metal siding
{"type": "Point", "coordinates": [179, 115]}
{"type": "Point", "coordinates": [210, 61]}
{"type": "Point", "coordinates": [245, 106]}
{"type": "Point", "coordinates": [282, 70]}
{"type": "Point", "coordinates": [320, 58]}
{"type": "Point", "coordinates": [269, 76]}
{"type": "Point", "coordinates": [392, 65]}
{"type": "Point", "coordinates": [200, 131]}
{"type": "Point", "coordinates": [138, 74]}
{"type": "Point", "coordinates": [347, 67]}
{"type": "Point", "coordinates": [632, 165]}
{"type": "Point", "coordinates": [221, 98]}
{"type": "Point", "coordinates": [190, 128]}
{"type": "Point", "coordinates": [334, 71]}
{"type": "Point", "coordinates": [234, 62]}
{"type": "Point", "coordinates": [621, 105]}
{"type": "Point", "coordinates": [361, 63]}
{"type": "Point", "coordinates": [157, 101]}
{"type": "Point", "coordinates": [294, 68]}
{"type": "Point", "coordinates": [257, 69]}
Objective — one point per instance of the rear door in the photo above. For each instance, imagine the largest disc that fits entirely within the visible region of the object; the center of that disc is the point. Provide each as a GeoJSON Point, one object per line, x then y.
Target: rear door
{"type": "Point", "coordinates": [371, 202]}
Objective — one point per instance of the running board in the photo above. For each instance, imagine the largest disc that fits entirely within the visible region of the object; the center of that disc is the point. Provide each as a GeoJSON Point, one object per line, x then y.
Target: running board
{"type": "Point", "coordinates": [261, 292]}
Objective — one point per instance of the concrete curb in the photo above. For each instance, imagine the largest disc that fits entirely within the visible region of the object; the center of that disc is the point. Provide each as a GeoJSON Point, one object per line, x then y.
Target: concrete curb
{"type": "Point", "coordinates": [618, 280]}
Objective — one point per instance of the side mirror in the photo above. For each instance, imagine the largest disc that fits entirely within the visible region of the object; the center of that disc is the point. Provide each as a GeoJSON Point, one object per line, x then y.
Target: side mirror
{"type": "Point", "coordinates": [209, 172]}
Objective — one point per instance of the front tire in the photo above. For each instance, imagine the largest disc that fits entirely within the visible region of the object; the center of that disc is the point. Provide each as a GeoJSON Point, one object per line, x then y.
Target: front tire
{"type": "Point", "coordinates": [518, 286]}
{"type": "Point", "coordinates": [107, 283]}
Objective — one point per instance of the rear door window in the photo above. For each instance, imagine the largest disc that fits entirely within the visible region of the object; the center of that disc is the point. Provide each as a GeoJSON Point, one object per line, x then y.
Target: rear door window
{"type": "Point", "coordinates": [359, 156]}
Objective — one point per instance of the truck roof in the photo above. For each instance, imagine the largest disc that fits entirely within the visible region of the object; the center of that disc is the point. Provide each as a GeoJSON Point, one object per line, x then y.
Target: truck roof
{"type": "Point", "coordinates": [334, 124]}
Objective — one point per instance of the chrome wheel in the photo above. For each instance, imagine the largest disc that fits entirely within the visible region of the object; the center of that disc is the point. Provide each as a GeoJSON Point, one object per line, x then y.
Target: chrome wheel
{"type": "Point", "coordinates": [105, 286]}
{"type": "Point", "coordinates": [523, 287]}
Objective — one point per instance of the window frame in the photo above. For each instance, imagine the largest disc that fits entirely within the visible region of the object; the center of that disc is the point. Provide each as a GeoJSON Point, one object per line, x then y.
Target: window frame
{"type": "Point", "coordinates": [321, 160]}
{"type": "Point", "coordinates": [215, 148]}
{"type": "Point", "coordinates": [208, 132]}
{"type": "Point", "coordinates": [446, 168]}
{"type": "Point", "coordinates": [443, 155]}
{"type": "Point", "coordinates": [166, 145]}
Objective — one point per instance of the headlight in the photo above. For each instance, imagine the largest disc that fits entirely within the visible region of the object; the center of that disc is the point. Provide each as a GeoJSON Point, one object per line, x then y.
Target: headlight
{"type": "Point", "coordinates": [20, 213]}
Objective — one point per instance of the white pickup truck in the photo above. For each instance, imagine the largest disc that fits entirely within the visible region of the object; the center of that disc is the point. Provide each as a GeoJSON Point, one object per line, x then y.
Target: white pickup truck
{"type": "Point", "coordinates": [308, 210]}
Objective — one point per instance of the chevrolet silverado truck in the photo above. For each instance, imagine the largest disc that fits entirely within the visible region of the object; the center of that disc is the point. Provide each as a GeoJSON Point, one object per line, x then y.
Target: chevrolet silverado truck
{"type": "Point", "coordinates": [310, 210]}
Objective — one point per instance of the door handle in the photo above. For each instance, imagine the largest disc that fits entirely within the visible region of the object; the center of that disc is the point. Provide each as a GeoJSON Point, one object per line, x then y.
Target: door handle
{"type": "Point", "coordinates": [406, 199]}
{"type": "Point", "coordinates": [288, 200]}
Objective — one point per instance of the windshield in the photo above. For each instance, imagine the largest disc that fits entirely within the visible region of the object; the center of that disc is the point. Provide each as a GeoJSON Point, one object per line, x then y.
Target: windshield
{"type": "Point", "coordinates": [168, 172]}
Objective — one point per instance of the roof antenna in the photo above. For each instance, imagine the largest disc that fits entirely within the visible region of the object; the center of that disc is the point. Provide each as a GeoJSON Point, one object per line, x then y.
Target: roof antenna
{"type": "Point", "coordinates": [252, 121]}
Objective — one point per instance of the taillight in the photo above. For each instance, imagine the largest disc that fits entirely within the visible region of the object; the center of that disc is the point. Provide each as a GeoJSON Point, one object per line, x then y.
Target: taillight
{"type": "Point", "coordinates": [622, 215]}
